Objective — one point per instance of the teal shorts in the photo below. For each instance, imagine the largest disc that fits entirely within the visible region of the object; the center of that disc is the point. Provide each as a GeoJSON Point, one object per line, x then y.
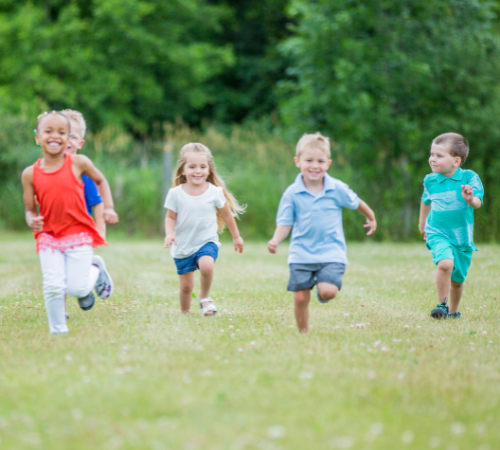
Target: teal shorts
{"type": "Point", "coordinates": [442, 249]}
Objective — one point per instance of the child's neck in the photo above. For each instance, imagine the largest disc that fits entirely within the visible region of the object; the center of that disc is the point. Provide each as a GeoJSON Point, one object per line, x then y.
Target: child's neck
{"type": "Point", "coordinates": [314, 187]}
{"type": "Point", "coordinates": [195, 189]}
{"type": "Point", "coordinates": [51, 163]}
{"type": "Point", "coordinates": [450, 173]}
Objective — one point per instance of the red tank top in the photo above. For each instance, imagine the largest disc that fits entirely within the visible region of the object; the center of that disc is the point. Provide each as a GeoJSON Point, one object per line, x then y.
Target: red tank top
{"type": "Point", "coordinates": [62, 205]}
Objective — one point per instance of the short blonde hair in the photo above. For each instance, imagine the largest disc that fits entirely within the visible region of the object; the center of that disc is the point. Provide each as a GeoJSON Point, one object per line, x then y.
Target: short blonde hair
{"type": "Point", "coordinates": [313, 141]}
{"type": "Point", "coordinates": [456, 143]}
{"type": "Point", "coordinates": [76, 116]}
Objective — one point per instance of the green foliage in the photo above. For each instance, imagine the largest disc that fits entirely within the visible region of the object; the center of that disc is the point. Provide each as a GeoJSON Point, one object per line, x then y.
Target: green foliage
{"type": "Point", "coordinates": [384, 78]}
{"type": "Point", "coordinates": [130, 62]}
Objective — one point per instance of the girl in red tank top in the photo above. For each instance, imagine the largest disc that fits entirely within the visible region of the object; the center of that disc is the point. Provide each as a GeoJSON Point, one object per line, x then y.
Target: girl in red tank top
{"type": "Point", "coordinates": [65, 233]}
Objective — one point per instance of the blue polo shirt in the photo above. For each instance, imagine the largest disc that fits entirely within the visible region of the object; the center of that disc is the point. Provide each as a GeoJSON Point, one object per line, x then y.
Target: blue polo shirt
{"type": "Point", "coordinates": [317, 235]}
{"type": "Point", "coordinates": [92, 196]}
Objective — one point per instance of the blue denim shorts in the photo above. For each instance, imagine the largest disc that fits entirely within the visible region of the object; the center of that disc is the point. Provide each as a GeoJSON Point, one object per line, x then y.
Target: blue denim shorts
{"type": "Point", "coordinates": [190, 264]}
{"type": "Point", "coordinates": [305, 276]}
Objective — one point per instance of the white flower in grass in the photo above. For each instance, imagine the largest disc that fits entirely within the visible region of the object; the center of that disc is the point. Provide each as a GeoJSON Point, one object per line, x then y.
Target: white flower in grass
{"type": "Point", "coordinates": [401, 375]}
{"type": "Point", "coordinates": [406, 327]}
{"type": "Point", "coordinates": [240, 349]}
{"type": "Point", "coordinates": [384, 349]}
{"type": "Point", "coordinates": [485, 333]}
{"type": "Point", "coordinates": [457, 428]}
{"type": "Point", "coordinates": [230, 327]}
{"type": "Point", "coordinates": [344, 442]}
{"type": "Point", "coordinates": [360, 325]}
{"type": "Point", "coordinates": [351, 326]}
{"type": "Point", "coordinates": [372, 375]}
{"type": "Point", "coordinates": [346, 316]}
{"type": "Point", "coordinates": [407, 437]}
{"type": "Point", "coordinates": [377, 344]}
{"type": "Point", "coordinates": [306, 375]}
{"type": "Point", "coordinates": [276, 432]}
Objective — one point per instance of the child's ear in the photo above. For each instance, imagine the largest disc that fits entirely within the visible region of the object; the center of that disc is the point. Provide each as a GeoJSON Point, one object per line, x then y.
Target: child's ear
{"type": "Point", "coordinates": [297, 160]}
{"type": "Point", "coordinates": [81, 144]}
{"type": "Point", "coordinates": [458, 161]}
{"type": "Point", "coordinates": [328, 164]}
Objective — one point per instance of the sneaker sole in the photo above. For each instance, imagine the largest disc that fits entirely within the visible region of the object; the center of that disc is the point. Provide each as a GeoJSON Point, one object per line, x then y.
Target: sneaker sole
{"type": "Point", "coordinates": [438, 314]}
{"type": "Point", "coordinates": [99, 262]}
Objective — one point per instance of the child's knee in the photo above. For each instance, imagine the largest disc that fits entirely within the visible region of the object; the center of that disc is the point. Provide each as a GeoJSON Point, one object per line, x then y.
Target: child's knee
{"type": "Point", "coordinates": [445, 265]}
{"type": "Point", "coordinates": [206, 264]}
{"type": "Point", "coordinates": [456, 284]}
{"type": "Point", "coordinates": [327, 291]}
{"type": "Point", "coordinates": [187, 287]}
{"type": "Point", "coordinates": [301, 298]}
{"type": "Point", "coordinates": [53, 291]}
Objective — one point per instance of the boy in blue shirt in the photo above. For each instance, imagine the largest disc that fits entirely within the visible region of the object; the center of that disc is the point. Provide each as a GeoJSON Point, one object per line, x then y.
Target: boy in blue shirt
{"type": "Point", "coordinates": [313, 207]}
{"type": "Point", "coordinates": [450, 197]}
{"type": "Point", "coordinates": [92, 198]}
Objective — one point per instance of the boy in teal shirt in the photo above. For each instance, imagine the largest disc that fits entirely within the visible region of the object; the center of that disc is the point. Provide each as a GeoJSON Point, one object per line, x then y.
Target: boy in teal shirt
{"type": "Point", "coordinates": [450, 197]}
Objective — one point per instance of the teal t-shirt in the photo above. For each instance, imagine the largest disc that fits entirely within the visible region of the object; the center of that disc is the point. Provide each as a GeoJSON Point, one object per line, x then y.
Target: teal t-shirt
{"type": "Point", "coordinates": [451, 217]}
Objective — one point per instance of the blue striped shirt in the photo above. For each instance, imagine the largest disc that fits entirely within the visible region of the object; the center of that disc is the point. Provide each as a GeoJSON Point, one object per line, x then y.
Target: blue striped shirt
{"type": "Point", "coordinates": [451, 217]}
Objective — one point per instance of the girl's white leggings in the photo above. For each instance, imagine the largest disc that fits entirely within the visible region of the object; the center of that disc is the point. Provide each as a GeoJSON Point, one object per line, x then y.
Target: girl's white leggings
{"type": "Point", "coordinates": [70, 271]}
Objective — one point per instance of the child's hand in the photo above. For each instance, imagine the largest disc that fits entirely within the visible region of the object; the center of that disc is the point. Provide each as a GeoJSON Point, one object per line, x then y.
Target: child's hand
{"type": "Point", "coordinates": [467, 193]}
{"type": "Point", "coordinates": [421, 228]}
{"type": "Point", "coordinates": [372, 225]}
{"type": "Point", "coordinates": [110, 216]}
{"type": "Point", "coordinates": [36, 224]}
{"type": "Point", "coordinates": [272, 246]}
{"type": "Point", "coordinates": [169, 240]}
{"type": "Point", "coordinates": [238, 244]}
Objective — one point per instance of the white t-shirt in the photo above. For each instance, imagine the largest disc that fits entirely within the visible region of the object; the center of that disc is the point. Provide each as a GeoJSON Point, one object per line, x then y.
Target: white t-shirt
{"type": "Point", "coordinates": [196, 218]}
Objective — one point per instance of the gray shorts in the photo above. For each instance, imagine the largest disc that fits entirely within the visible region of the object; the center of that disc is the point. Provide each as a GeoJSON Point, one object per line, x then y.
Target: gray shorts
{"type": "Point", "coordinates": [305, 276]}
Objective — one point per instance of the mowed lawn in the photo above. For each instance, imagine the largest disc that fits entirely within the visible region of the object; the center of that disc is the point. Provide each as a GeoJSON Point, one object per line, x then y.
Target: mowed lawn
{"type": "Point", "coordinates": [375, 372]}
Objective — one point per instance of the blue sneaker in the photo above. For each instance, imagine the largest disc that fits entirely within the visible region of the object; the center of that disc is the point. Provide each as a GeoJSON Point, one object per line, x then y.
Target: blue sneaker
{"type": "Point", "coordinates": [440, 311]}
{"type": "Point", "coordinates": [87, 302]}
{"type": "Point", "coordinates": [455, 315]}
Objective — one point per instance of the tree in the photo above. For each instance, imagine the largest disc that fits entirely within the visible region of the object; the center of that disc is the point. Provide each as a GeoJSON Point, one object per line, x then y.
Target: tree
{"type": "Point", "coordinates": [384, 77]}
{"type": "Point", "coordinates": [132, 62]}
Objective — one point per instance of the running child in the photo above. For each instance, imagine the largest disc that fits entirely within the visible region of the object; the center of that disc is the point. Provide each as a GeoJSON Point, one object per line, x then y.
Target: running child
{"type": "Point", "coordinates": [451, 195]}
{"type": "Point", "coordinates": [65, 234]}
{"type": "Point", "coordinates": [313, 207]}
{"type": "Point", "coordinates": [199, 206]}
{"type": "Point", "coordinates": [93, 200]}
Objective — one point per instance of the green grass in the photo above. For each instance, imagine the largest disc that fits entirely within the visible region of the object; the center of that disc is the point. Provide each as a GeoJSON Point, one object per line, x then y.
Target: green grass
{"type": "Point", "coordinates": [135, 374]}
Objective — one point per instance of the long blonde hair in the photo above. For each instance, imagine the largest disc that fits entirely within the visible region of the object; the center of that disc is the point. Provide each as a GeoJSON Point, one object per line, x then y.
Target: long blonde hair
{"type": "Point", "coordinates": [213, 177]}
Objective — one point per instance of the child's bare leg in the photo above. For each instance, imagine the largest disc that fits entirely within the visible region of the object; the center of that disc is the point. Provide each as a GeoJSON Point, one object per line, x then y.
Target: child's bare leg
{"type": "Point", "coordinates": [301, 309]}
{"type": "Point", "coordinates": [185, 290]}
{"type": "Point", "coordinates": [443, 279]}
{"type": "Point", "coordinates": [206, 265]}
{"type": "Point", "coordinates": [455, 295]}
{"type": "Point", "coordinates": [327, 291]}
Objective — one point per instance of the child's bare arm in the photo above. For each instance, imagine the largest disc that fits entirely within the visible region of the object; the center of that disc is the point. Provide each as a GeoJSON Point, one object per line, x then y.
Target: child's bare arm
{"type": "Point", "coordinates": [280, 233]}
{"type": "Point", "coordinates": [34, 221]}
{"type": "Point", "coordinates": [170, 221]}
{"type": "Point", "coordinates": [86, 167]}
{"type": "Point", "coordinates": [99, 219]}
{"type": "Point", "coordinates": [227, 215]}
{"type": "Point", "coordinates": [425, 210]}
{"type": "Point", "coordinates": [371, 223]}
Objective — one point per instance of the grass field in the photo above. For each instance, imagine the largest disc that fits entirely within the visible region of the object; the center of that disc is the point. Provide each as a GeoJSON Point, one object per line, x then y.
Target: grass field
{"type": "Point", "coordinates": [135, 374]}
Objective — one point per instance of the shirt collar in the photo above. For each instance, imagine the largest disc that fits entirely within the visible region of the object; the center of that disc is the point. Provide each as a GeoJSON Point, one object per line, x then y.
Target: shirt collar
{"type": "Point", "coordinates": [299, 186]}
{"type": "Point", "coordinates": [457, 176]}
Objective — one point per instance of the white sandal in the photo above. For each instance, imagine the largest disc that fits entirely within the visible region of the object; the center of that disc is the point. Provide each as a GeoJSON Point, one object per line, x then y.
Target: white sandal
{"type": "Point", "coordinates": [208, 308]}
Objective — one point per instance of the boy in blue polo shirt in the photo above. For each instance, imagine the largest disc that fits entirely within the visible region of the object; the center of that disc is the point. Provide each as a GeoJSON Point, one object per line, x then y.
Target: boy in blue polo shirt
{"type": "Point", "coordinates": [450, 197]}
{"type": "Point", "coordinates": [313, 207]}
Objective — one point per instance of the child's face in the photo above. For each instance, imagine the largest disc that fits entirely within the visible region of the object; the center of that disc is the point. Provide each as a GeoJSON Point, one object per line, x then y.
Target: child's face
{"type": "Point", "coordinates": [53, 134]}
{"type": "Point", "coordinates": [196, 169]}
{"type": "Point", "coordinates": [313, 164]}
{"type": "Point", "coordinates": [441, 161]}
{"type": "Point", "coordinates": [76, 141]}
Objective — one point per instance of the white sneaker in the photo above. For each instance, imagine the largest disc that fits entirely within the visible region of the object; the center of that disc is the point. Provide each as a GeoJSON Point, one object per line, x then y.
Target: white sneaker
{"type": "Point", "coordinates": [104, 285]}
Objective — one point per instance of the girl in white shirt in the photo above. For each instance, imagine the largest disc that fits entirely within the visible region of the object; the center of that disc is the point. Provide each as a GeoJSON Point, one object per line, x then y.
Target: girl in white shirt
{"type": "Point", "coordinates": [199, 207]}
